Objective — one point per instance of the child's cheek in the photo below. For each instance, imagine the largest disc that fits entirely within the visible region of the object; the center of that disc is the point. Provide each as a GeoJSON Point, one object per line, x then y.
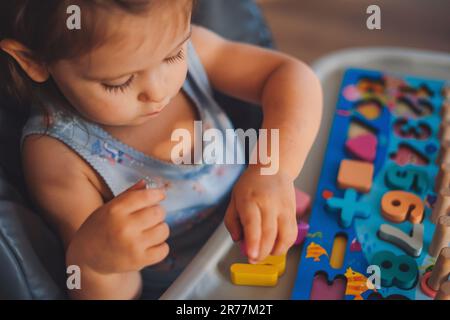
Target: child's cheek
{"type": "Point", "coordinates": [180, 75]}
{"type": "Point", "coordinates": [107, 108]}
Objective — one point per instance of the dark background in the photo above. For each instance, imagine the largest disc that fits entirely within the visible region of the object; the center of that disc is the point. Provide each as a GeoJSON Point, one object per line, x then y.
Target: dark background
{"type": "Point", "coordinates": [309, 29]}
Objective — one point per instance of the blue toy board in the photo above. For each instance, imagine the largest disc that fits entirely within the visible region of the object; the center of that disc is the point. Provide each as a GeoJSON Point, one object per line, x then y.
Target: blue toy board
{"type": "Point", "coordinates": [393, 121]}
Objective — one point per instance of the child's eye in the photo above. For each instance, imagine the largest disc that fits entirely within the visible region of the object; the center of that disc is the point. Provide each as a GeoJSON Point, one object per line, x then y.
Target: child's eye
{"type": "Point", "coordinates": [121, 87]}
{"type": "Point", "coordinates": [178, 57]}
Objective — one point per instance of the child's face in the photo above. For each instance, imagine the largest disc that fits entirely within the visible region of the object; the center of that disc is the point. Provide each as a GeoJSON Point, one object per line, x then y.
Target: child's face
{"type": "Point", "coordinates": [134, 74]}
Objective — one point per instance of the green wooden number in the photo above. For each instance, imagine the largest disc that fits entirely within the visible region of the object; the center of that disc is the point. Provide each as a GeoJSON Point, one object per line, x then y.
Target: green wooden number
{"type": "Point", "coordinates": [406, 178]}
{"type": "Point", "coordinates": [399, 271]}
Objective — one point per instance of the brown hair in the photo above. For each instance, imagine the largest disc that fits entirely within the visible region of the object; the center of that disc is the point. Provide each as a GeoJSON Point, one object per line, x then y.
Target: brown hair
{"type": "Point", "coordinates": [41, 27]}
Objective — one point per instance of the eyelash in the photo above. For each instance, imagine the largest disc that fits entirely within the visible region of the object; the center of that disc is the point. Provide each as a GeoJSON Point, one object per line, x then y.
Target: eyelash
{"type": "Point", "coordinates": [118, 88]}
{"type": "Point", "coordinates": [109, 88]}
{"type": "Point", "coordinates": [178, 57]}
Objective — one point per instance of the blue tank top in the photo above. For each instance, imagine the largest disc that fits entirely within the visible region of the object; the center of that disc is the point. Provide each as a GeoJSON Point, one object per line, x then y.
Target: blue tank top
{"type": "Point", "coordinates": [193, 191]}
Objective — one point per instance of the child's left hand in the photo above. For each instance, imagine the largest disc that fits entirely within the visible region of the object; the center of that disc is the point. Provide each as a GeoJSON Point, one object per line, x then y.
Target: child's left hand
{"type": "Point", "coordinates": [262, 210]}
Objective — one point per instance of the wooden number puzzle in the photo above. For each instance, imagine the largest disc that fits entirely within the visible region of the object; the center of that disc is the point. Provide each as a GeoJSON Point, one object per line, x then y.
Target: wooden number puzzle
{"type": "Point", "coordinates": [381, 209]}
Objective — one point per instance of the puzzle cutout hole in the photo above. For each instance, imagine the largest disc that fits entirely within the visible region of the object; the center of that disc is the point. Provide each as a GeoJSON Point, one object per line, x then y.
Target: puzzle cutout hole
{"type": "Point", "coordinates": [338, 251]}
{"type": "Point", "coordinates": [414, 109]}
{"type": "Point", "coordinates": [408, 155]}
{"type": "Point", "coordinates": [356, 128]}
{"type": "Point", "coordinates": [422, 90]}
{"type": "Point", "coordinates": [323, 289]}
{"type": "Point", "coordinates": [371, 85]}
{"type": "Point", "coordinates": [378, 296]}
{"type": "Point", "coordinates": [412, 130]}
{"type": "Point", "coordinates": [370, 108]}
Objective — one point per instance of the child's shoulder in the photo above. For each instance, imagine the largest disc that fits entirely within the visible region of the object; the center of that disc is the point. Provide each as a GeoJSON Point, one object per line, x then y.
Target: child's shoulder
{"type": "Point", "coordinates": [201, 34]}
{"type": "Point", "coordinates": [48, 161]}
{"type": "Point", "coordinates": [49, 164]}
{"type": "Point", "coordinates": [206, 43]}
{"type": "Point", "coordinates": [41, 149]}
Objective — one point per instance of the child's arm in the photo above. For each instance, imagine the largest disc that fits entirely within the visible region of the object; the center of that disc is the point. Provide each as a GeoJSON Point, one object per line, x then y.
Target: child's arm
{"type": "Point", "coordinates": [291, 98]}
{"type": "Point", "coordinates": [109, 242]}
{"type": "Point", "coordinates": [287, 89]}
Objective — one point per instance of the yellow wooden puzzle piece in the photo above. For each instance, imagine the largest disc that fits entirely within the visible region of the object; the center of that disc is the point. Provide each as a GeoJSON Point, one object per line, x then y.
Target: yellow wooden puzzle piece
{"type": "Point", "coordinates": [254, 274]}
{"type": "Point", "coordinates": [277, 261]}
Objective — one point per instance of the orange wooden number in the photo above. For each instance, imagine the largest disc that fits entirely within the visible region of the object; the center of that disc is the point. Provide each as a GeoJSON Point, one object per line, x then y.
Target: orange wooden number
{"type": "Point", "coordinates": [398, 206]}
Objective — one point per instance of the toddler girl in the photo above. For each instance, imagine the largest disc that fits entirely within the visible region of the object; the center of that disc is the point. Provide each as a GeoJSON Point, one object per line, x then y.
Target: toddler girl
{"type": "Point", "coordinates": [97, 149]}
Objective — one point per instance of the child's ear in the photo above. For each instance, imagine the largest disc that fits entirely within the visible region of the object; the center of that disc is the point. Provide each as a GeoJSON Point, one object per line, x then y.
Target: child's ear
{"type": "Point", "coordinates": [35, 70]}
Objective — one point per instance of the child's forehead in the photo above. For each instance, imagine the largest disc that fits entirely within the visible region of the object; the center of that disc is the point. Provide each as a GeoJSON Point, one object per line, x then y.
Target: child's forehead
{"type": "Point", "coordinates": [121, 30]}
{"type": "Point", "coordinates": [132, 41]}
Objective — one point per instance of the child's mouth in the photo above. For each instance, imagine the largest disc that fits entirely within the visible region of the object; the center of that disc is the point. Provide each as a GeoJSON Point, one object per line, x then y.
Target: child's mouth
{"type": "Point", "coordinates": [152, 113]}
{"type": "Point", "coordinates": [158, 110]}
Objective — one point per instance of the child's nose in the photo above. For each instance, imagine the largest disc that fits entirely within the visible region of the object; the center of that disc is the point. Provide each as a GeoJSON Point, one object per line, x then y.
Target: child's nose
{"type": "Point", "coordinates": [153, 91]}
{"type": "Point", "coordinates": [145, 97]}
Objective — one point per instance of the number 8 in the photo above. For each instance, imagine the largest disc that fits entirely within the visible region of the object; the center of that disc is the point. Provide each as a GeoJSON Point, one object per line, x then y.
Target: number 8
{"type": "Point", "coordinates": [400, 271]}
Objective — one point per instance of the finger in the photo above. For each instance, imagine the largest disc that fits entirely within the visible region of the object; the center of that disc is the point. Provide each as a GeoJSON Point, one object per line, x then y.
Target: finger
{"type": "Point", "coordinates": [148, 217]}
{"type": "Point", "coordinates": [250, 217]}
{"type": "Point", "coordinates": [269, 228]}
{"type": "Point", "coordinates": [287, 233]}
{"type": "Point", "coordinates": [156, 254]}
{"type": "Point", "coordinates": [232, 222]}
{"type": "Point", "coordinates": [134, 200]}
{"type": "Point", "coordinates": [141, 184]}
{"type": "Point", "coordinates": [156, 235]}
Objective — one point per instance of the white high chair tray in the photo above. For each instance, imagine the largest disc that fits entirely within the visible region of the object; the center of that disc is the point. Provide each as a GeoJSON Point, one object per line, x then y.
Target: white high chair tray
{"type": "Point", "coordinates": [208, 275]}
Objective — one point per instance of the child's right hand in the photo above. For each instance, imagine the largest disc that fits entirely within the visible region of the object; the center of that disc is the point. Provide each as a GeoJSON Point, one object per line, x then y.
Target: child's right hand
{"type": "Point", "coordinates": [126, 234]}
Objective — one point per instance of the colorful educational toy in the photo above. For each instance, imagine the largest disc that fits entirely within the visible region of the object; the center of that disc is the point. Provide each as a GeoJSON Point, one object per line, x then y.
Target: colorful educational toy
{"type": "Point", "coordinates": [380, 225]}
